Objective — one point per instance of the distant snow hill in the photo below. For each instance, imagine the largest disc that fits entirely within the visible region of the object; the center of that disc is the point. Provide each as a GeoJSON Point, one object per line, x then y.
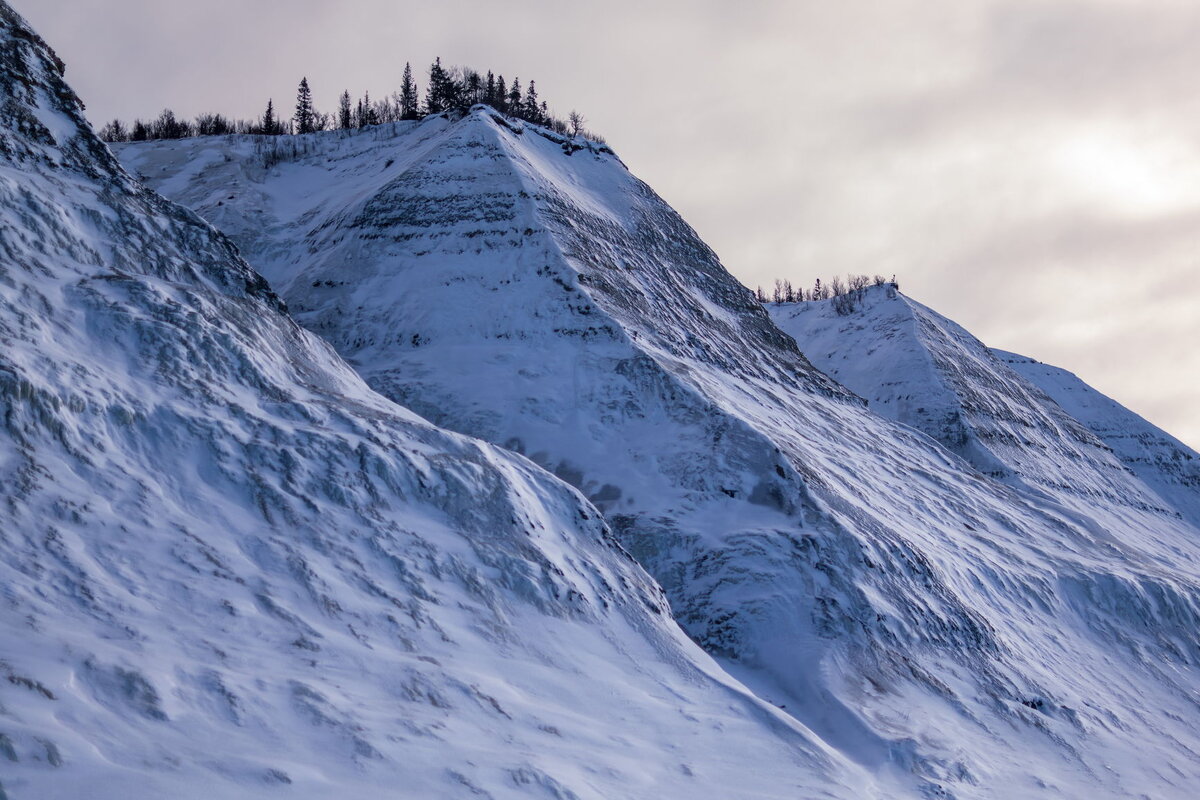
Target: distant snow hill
{"type": "Point", "coordinates": [229, 569]}
{"type": "Point", "coordinates": [973, 596]}
{"type": "Point", "coordinates": [1016, 419]}
{"type": "Point", "coordinates": [1166, 464]}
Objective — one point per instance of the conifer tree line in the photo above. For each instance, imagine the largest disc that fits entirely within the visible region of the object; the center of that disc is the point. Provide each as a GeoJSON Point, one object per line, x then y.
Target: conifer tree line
{"type": "Point", "coordinates": [447, 88]}
{"type": "Point", "coordinates": [846, 294]}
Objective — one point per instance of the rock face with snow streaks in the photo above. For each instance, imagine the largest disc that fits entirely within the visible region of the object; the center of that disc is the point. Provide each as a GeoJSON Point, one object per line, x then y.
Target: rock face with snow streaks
{"type": "Point", "coordinates": [951, 632]}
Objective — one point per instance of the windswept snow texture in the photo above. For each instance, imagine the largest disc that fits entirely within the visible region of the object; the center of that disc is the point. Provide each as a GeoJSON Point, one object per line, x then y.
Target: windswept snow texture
{"type": "Point", "coordinates": [229, 569]}
{"type": "Point", "coordinates": [1166, 464]}
{"type": "Point", "coordinates": [954, 634]}
{"type": "Point", "coordinates": [919, 368]}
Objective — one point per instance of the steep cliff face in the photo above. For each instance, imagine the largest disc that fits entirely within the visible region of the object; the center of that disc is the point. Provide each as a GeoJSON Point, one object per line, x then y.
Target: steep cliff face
{"type": "Point", "coordinates": [229, 568]}
{"type": "Point", "coordinates": [945, 630]}
{"type": "Point", "coordinates": [1166, 464]}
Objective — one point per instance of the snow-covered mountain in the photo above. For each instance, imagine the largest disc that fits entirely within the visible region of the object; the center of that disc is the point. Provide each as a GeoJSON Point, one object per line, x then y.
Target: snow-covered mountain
{"type": "Point", "coordinates": [951, 633]}
{"type": "Point", "coordinates": [1166, 464]}
{"type": "Point", "coordinates": [230, 569]}
{"type": "Point", "coordinates": [919, 368]}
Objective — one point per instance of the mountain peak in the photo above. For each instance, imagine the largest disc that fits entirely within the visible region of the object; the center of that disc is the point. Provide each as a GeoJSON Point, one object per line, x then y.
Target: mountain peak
{"type": "Point", "coordinates": [65, 179]}
{"type": "Point", "coordinates": [230, 568]}
{"type": "Point", "coordinates": [1165, 463]}
{"type": "Point", "coordinates": [845, 566]}
{"type": "Point", "coordinates": [570, 144]}
{"type": "Point", "coordinates": [41, 117]}
{"type": "Point", "coordinates": [919, 368]}
{"type": "Point", "coordinates": [488, 204]}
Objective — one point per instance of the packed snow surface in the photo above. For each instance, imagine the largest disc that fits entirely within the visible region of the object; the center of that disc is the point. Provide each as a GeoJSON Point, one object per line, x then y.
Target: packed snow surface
{"type": "Point", "coordinates": [230, 569]}
{"type": "Point", "coordinates": [1007, 611]}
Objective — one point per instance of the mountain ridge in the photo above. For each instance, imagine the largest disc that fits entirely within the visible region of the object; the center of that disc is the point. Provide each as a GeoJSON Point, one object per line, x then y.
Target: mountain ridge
{"type": "Point", "coordinates": [897, 600]}
{"type": "Point", "coordinates": [230, 567]}
{"type": "Point", "coordinates": [1171, 467]}
{"type": "Point", "coordinates": [923, 370]}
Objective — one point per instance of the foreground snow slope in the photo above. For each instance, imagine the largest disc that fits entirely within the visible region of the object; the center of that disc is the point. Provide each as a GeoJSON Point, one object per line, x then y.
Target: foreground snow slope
{"type": "Point", "coordinates": [987, 638]}
{"type": "Point", "coordinates": [229, 569]}
{"type": "Point", "coordinates": [1166, 464]}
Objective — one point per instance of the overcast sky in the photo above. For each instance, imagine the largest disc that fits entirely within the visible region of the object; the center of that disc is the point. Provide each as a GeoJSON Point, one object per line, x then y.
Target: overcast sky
{"type": "Point", "coordinates": [1030, 168]}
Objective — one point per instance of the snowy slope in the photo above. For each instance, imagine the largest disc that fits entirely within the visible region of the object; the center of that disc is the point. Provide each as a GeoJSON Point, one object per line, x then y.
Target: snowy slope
{"type": "Point", "coordinates": [953, 634]}
{"type": "Point", "coordinates": [1166, 464]}
{"type": "Point", "coordinates": [229, 569]}
{"type": "Point", "coordinates": [919, 368]}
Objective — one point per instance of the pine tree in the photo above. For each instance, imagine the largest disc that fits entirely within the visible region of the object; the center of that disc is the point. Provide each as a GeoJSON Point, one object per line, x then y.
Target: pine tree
{"type": "Point", "coordinates": [372, 117]}
{"type": "Point", "coordinates": [489, 90]}
{"type": "Point", "coordinates": [514, 99]}
{"type": "Point", "coordinates": [409, 102]}
{"type": "Point", "coordinates": [270, 125]}
{"type": "Point", "coordinates": [532, 109]}
{"type": "Point", "coordinates": [365, 113]}
{"type": "Point", "coordinates": [501, 95]}
{"type": "Point", "coordinates": [454, 91]}
{"type": "Point", "coordinates": [305, 116]}
{"type": "Point", "coordinates": [345, 112]}
{"type": "Point", "coordinates": [435, 95]}
{"type": "Point", "coordinates": [473, 87]}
